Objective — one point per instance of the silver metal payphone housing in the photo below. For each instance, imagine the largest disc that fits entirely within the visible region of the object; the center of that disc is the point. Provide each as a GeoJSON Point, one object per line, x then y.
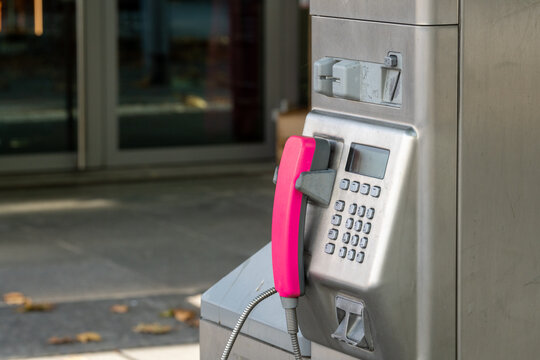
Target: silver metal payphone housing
{"type": "Point", "coordinates": [458, 176]}
{"type": "Point", "coordinates": [441, 100]}
{"type": "Point", "coordinates": [406, 280]}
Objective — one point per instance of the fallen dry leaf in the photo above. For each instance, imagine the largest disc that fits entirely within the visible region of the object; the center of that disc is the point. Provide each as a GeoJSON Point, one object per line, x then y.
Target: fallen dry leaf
{"type": "Point", "coordinates": [29, 306]}
{"type": "Point", "coordinates": [15, 298]}
{"type": "Point", "coordinates": [155, 329]}
{"type": "Point", "coordinates": [61, 340]}
{"type": "Point", "coordinates": [183, 314]}
{"type": "Point", "coordinates": [189, 317]}
{"type": "Point", "coordinates": [119, 309]}
{"type": "Point", "coordinates": [88, 337]}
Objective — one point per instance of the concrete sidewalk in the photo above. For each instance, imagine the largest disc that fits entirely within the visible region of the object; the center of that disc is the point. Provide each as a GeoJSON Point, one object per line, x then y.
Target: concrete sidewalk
{"type": "Point", "coordinates": [152, 246]}
{"type": "Point", "coordinates": [179, 352]}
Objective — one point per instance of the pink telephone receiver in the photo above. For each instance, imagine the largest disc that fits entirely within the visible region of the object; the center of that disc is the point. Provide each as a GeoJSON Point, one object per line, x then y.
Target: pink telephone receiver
{"type": "Point", "coordinates": [303, 173]}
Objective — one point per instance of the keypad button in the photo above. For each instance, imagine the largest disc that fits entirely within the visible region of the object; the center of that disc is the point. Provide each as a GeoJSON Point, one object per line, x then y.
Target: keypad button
{"type": "Point", "coordinates": [361, 211]}
{"type": "Point", "coordinates": [336, 220]}
{"type": "Point", "coordinates": [376, 191]}
{"type": "Point", "coordinates": [342, 252]}
{"type": "Point", "coordinates": [344, 184]}
{"type": "Point", "coordinates": [352, 209]}
{"type": "Point", "coordinates": [349, 223]}
{"type": "Point", "coordinates": [346, 237]}
{"type": "Point", "coordinates": [370, 213]}
{"type": "Point", "coordinates": [339, 205]}
{"type": "Point", "coordinates": [364, 189]}
{"type": "Point", "coordinates": [355, 185]}
{"type": "Point", "coordinates": [355, 240]}
{"type": "Point", "coordinates": [333, 234]}
{"type": "Point", "coordinates": [358, 225]}
{"type": "Point", "coordinates": [360, 257]}
{"type": "Point", "coordinates": [329, 248]}
{"type": "Point", "coordinates": [351, 254]}
{"type": "Point", "coordinates": [367, 228]}
{"type": "Point", "coordinates": [363, 242]}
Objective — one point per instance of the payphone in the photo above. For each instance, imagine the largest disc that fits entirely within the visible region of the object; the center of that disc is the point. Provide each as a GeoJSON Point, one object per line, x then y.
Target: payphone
{"type": "Point", "coordinates": [414, 236]}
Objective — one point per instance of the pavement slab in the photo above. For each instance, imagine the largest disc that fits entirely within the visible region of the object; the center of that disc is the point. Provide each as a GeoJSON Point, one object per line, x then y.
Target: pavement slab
{"type": "Point", "coordinates": [153, 245]}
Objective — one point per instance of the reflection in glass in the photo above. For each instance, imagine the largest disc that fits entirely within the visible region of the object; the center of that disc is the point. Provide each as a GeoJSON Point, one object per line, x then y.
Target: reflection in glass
{"type": "Point", "coordinates": [37, 76]}
{"type": "Point", "coordinates": [190, 72]}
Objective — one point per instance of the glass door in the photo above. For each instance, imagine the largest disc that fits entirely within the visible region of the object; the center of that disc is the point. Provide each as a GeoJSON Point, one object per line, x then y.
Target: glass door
{"type": "Point", "coordinates": [190, 81]}
{"type": "Point", "coordinates": [38, 85]}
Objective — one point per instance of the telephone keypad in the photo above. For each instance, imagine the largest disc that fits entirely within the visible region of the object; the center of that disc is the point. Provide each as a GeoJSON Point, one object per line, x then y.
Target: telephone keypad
{"type": "Point", "coordinates": [359, 220]}
{"type": "Point", "coordinates": [339, 205]}
{"type": "Point", "coordinates": [329, 248]}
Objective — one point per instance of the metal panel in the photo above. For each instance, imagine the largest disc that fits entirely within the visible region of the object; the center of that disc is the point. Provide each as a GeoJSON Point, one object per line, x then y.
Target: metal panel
{"type": "Point", "coordinates": [95, 85]}
{"type": "Point", "coordinates": [224, 302]}
{"type": "Point", "coordinates": [425, 210]}
{"type": "Point", "coordinates": [429, 74]}
{"type": "Point", "coordinates": [416, 12]}
{"type": "Point", "coordinates": [214, 337]}
{"type": "Point", "coordinates": [499, 203]}
{"type": "Point", "coordinates": [319, 352]}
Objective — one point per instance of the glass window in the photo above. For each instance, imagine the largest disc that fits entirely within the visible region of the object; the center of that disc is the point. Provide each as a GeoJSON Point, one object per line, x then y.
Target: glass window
{"type": "Point", "coordinates": [190, 72]}
{"type": "Point", "coordinates": [37, 76]}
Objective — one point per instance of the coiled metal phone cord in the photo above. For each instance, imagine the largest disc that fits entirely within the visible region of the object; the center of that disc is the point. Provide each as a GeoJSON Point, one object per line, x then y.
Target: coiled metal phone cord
{"type": "Point", "coordinates": [292, 329]}
{"type": "Point", "coordinates": [292, 325]}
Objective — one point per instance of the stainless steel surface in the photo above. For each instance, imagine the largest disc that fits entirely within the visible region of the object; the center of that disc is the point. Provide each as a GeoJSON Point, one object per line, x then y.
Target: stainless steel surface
{"type": "Point", "coordinates": [499, 198]}
{"type": "Point", "coordinates": [225, 301]}
{"type": "Point", "coordinates": [417, 12]}
{"type": "Point", "coordinates": [246, 348]}
{"type": "Point", "coordinates": [409, 267]}
{"type": "Point", "coordinates": [408, 280]}
{"type": "Point", "coordinates": [319, 352]}
{"type": "Point", "coordinates": [429, 73]}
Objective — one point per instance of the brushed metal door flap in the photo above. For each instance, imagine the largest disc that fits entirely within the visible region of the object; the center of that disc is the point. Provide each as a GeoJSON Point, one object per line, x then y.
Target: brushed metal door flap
{"type": "Point", "coordinates": [353, 328]}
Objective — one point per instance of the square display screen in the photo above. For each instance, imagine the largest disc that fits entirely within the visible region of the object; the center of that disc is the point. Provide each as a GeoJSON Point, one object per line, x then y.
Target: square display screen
{"type": "Point", "coordinates": [367, 160]}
